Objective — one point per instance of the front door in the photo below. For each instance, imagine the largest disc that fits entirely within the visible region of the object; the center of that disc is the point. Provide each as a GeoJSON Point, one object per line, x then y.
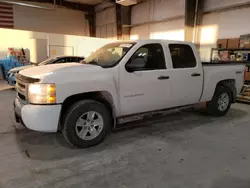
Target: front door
{"type": "Point", "coordinates": [147, 87]}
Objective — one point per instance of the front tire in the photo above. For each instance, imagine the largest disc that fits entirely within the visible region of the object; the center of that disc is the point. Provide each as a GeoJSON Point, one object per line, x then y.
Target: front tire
{"type": "Point", "coordinates": [86, 123]}
{"type": "Point", "coordinates": [221, 102]}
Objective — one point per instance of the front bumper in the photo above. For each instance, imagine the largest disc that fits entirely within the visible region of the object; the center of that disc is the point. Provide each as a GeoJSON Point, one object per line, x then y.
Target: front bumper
{"type": "Point", "coordinates": [43, 118]}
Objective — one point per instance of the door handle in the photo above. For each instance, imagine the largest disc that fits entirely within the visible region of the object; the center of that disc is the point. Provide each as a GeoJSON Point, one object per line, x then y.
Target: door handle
{"type": "Point", "coordinates": [163, 77]}
{"type": "Point", "coordinates": [195, 74]}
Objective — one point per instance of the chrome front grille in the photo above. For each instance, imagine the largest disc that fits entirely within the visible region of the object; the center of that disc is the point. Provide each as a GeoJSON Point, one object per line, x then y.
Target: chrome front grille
{"type": "Point", "coordinates": [26, 79]}
{"type": "Point", "coordinates": [21, 89]}
{"type": "Point", "coordinates": [22, 85]}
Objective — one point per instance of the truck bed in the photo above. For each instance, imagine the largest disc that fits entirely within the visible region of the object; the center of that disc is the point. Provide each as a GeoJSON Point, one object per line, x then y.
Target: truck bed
{"type": "Point", "coordinates": [221, 63]}
{"type": "Point", "coordinates": [221, 71]}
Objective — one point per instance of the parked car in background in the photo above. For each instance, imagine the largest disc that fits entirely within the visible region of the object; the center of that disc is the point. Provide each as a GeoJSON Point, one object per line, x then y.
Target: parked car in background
{"type": "Point", "coordinates": [53, 60]}
{"type": "Point", "coordinates": [122, 82]}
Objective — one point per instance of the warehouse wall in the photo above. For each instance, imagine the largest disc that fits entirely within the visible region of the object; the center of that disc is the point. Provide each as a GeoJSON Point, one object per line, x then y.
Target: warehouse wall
{"type": "Point", "coordinates": [106, 21]}
{"type": "Point", "coordinates": [13, 38]}
{"type": "Point", "coordinates": [226, 24]}
{"type": "Point", "coordinates": [158, 19]}
{"type": "Point", "coordinates": [82, 46]}
{"type": "Point", "coordinates": [59, 20]}
{"type": "Point", "coordinates": [164, 19]}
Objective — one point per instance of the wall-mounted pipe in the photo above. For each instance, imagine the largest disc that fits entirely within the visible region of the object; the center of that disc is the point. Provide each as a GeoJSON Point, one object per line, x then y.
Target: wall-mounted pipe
{"type": "Point", "coordinates": [228, 8]}
{"type": "Point", "coordinates": [27, 4]}
{"type": "Point", "coordinates": [195, 22]}
{"type": "Point", "coordinates": [157, 21]}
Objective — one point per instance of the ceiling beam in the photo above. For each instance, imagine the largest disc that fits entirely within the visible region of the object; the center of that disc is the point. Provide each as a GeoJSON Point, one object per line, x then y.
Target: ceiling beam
{"type": "Point", "coordinates": [71, 5]}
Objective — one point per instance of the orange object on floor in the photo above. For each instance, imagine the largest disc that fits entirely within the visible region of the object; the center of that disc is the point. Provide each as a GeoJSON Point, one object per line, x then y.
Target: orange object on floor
{"type": "Point", "coordinates": [203, 105]}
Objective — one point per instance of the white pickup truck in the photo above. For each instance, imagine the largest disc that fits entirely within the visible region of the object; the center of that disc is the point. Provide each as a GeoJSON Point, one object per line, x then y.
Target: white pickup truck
{"type": "Point", "coordinates": [122, 81]}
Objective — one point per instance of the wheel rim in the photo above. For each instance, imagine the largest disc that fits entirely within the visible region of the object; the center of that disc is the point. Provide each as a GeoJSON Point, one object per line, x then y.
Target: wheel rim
{"type": "Point", "coordinates": [89, 125]}
{"type": "Point", "coordinates": [223, 102]}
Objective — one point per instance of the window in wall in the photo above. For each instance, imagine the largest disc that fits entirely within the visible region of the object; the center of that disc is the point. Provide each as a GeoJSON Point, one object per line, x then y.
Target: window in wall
{"type": "Point", "coordinates": [182, 56]}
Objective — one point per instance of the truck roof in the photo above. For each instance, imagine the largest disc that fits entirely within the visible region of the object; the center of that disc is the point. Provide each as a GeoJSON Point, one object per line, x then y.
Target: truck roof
{"type": "Point", "coordinates": [162, 40]}
{"type": "Point", "coordinates": [60, 56]}
{"type": "Point", "coordinates": [144, 41]}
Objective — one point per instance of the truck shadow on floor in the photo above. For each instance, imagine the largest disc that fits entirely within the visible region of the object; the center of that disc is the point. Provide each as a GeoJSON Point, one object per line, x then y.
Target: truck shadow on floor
{"type": "Point", "coordinates": [231, 182]}
{"type": "Point", "coordinates": [44, 146]}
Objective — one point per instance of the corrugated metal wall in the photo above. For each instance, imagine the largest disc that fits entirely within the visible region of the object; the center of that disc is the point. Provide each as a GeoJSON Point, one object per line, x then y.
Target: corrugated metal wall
{"type": "Point", "coordinates": [158, 19]}
{"type": "Point", "coordinates": [60, 20]}
{"type": "Point", "coordinates": [6, 16]}
{"type": "Point", "coordinates": [106, 23]}
{"type": "Point", "coordinates": [164, 19]}
{"type": "Point", "coordinates": [215, 4]}
{"type": "Point", "coordinates": [228, 22]}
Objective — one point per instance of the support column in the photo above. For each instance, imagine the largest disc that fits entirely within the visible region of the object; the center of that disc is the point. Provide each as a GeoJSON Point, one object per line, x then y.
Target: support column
{"type": "Point", "coordinates": [193, 19]}
{"type": "Point", "coordinates": [118, 11]}
{"type": "Point", "coordinates": [123, 22]}
{"type": "Point", "coordinates": [92, 24]}
{"type": "Point", "coordinates": [199, 23]}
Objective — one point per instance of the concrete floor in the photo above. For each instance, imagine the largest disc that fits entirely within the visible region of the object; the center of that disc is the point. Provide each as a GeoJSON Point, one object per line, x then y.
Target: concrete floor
{"type": "Point", "coordinates": [184, 150]}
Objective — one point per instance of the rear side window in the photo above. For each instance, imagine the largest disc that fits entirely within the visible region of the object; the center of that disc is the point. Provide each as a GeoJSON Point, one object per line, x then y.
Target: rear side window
{"type": "Point", "coordinates": [182, 56]}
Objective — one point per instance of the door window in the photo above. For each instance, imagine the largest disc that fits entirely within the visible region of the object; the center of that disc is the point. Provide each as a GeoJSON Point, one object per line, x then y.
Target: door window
{"type": "Point", "coordinates": [182, 56]}
{"type": "Point", "coordinates": [150, 57]}
{"type": "Point", "coordinates": [62, 60]}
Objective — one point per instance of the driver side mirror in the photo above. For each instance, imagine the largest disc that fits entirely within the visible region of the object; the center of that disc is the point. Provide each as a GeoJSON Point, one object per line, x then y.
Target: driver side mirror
{"type": "Point", "coordinates": [136, 64]}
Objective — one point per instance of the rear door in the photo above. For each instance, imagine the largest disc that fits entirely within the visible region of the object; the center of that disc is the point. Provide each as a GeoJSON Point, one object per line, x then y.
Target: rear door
{"type": "Point", "coordinates": [186, 75]}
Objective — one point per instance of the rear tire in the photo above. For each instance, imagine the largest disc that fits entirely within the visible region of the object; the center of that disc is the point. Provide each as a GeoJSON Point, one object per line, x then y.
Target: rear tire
{"type": "Point", "coordinates": [221, 102]}
{"type": "Point", "coordinates": [80, 127]}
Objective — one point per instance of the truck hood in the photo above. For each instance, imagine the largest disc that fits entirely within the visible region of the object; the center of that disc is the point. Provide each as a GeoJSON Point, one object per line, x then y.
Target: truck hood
{"type": "Point", "coordinates": [42, 71]}
{"type": "Point", "coordinates": [17, 69]}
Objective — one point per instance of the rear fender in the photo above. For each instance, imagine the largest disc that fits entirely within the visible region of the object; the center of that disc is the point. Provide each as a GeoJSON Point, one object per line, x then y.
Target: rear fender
{"type": "Point", "coordinates": [229, 83]}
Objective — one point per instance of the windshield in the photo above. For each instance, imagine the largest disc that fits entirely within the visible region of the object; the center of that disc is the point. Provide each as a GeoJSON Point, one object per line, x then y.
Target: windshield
{"type": "Point", "coordinates": [109, 54]}
{"type": "Point", "coordinates": [47, 61]}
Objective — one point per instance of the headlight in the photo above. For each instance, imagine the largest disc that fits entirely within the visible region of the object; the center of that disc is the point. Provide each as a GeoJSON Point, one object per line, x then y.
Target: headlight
{"type": "Point", "coordinates": [42, 93]}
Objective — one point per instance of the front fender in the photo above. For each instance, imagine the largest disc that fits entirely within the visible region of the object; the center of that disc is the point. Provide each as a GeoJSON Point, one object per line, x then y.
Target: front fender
{"type": "Point", "coordinates": [63, 91]}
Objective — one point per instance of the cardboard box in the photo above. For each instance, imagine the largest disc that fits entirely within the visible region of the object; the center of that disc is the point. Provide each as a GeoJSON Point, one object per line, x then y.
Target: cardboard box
{"type": "Point", "coordinates": [247, 76]}
{"type": "Point", "coordinates": [233, 43]}
{"type": "Point", "coordinates": [244, 43]}
{"type": "Point", "coordinates": [222, 43]}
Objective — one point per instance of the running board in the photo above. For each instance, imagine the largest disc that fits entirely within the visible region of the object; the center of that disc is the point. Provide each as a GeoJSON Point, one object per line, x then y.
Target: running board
{"type": "Point", "coordinates": [148, 115]}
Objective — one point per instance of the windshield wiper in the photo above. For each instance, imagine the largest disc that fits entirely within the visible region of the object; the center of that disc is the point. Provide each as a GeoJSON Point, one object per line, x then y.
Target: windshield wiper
{"type": "Point", "coordinates": [33, 63]}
